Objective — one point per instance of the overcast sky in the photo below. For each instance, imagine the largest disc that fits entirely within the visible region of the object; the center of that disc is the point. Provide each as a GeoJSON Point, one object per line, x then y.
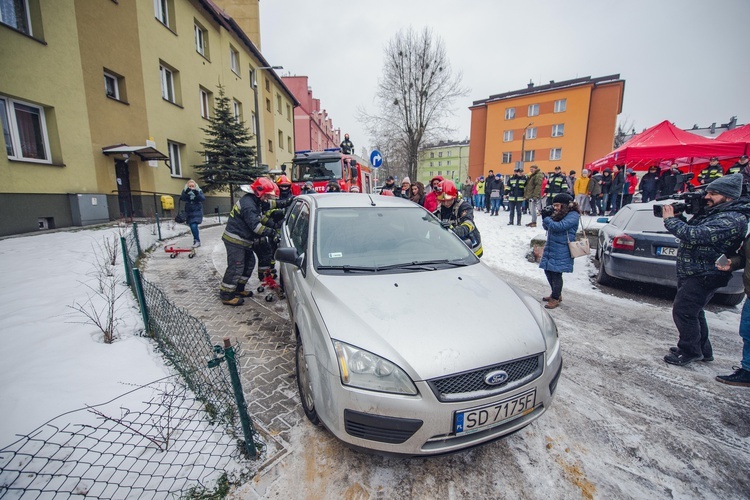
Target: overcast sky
{"type": "Point", "coordinates": [682, 60]}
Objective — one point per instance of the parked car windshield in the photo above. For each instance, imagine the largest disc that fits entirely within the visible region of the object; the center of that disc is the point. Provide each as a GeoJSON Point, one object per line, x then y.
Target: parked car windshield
{"type": "Point", "coordinates": [372, 239]}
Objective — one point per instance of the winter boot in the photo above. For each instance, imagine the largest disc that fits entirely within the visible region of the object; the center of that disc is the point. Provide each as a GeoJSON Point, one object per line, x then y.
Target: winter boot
{"type": "Point", "coordinates": [551, 304]}
{"type": "Point", "coordinates": [740, 377]}
{"type": "Point", "coordinates": [549, 297]}
{"type": "Point", "coordinates": [230, 299]}
{"type": "Point", "coordinates": [241, 292]}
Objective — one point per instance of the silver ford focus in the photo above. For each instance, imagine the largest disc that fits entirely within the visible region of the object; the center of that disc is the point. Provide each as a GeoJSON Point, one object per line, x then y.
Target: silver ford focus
{"type": "Point", "coordinates": [395, 350]}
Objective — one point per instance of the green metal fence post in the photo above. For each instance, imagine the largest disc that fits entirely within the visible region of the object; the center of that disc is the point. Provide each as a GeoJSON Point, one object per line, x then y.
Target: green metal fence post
{"type": "Point", "coordinates": [247, 428]}
{"type": "Point", "coordinates": [135, 237]}
{"type": "Point", "coordinates": [126, 261]}
{"type": "Point", "coordinates": [158, 226]}
{"type": "Point", "coordinates": [141, 298]}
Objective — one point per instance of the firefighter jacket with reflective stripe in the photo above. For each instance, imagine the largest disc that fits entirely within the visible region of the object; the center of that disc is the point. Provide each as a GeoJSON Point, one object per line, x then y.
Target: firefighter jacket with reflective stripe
{"type": "Point", "coordinates": [460, 216]}
{"type": "Point", "coordinates": [515, 187]}
{"type": "Point", "coordinates": [557, 183]}
{"type": "Point", "coordinates": [710, 173]}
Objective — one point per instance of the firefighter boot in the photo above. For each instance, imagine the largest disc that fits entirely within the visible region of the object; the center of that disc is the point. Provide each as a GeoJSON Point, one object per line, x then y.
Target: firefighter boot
{"type": "Point", "coordinates": [230, 299]}
{"type": "Point", "coordinates": [241, 292]}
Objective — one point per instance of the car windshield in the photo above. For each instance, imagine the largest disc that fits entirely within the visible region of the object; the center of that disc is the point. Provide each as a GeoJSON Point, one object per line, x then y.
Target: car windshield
{"type": "Point", "coordinates": [375, 239]}
{"type": "Point", "coordinates": [317, 170]}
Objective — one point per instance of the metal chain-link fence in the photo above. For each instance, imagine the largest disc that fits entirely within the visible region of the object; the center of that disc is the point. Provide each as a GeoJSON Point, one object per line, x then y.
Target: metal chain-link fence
{"type": "Point", "coordinates": [191, 437]}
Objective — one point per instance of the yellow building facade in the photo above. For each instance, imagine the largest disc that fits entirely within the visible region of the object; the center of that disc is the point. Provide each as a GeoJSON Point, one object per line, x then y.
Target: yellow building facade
{"type": "Point", "coordinates": [95, 97]}
{"type": "Point", "coordinates": [567, 123]}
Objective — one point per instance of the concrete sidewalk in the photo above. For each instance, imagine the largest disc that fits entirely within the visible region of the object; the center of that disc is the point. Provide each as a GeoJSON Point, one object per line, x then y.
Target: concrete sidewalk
{"type": "Point", "coordinates": [261, 329]}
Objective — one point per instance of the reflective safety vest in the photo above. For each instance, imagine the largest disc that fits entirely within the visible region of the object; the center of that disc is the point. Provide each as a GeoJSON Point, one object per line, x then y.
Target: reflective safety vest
{"type": "Point", "coordinates": [710, 173]}
{"type": "Point", "coordinates": [557, 184]}
{"type": "Point", "coordinates": [515, 187]}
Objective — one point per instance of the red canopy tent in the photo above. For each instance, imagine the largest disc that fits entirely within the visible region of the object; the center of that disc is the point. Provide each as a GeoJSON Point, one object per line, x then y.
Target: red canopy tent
{"type": "Point", "coordinates": [737, 135]}
{"type": "Point", "coordinates": [666, 143]}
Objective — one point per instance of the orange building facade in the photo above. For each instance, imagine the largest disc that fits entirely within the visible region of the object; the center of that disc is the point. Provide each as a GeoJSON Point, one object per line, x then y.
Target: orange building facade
{"type": "Point", "coordinates": [567, 123]}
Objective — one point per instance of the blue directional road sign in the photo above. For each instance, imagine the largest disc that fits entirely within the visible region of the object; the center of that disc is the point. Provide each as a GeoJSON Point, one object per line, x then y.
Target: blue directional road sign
{"type": "Point", "coordinates": [376, 158]}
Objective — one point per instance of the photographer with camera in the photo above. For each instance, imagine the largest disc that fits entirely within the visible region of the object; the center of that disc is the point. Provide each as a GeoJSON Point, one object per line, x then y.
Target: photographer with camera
{"type": "Point", "coordinates": [717, 228]}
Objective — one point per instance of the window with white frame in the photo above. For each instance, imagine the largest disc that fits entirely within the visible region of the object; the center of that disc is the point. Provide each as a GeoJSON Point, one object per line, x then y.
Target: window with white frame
{"type": "Point", "coordinates": [201, 37]}
{"type": "Point", "coordinates": [254, 125]}
{"type": "Point", "coordinates": [528, 155]}
{"type": "Point", "coordinates": [449, 153]}
{"type": "Point", "coordinates": [205, 96]}
{"type": "Point", "coordinates": [25, 131]}
{"type": "Point", "coordinates": [289, 144]}
{"type": "Point", "coordinates": [507, 136]}
{"type": "Point", "coordinates": [558, 130]}
{"type": "Point", "coordinates": [234, 60]}
{"type": "Point", "coordinates": [561, 105]}
{"type": "Point", "coordinates": [237, 110]}
{"type": "Point", "coordinates": [432, 155]}
{"type": "Point", "coordinates": [440, 154]}
{"type": "Point", "coordinates": [175, 161]}
{"type": "Point", "coordinates": [431, 164]}
{"type": "Point", "coordinates": [278, 103]}
{"type": "Point", "coordinates": [510, 113]}
{"type": "Point", "coordinates": [507, 157]}
{"type": "Point", "coordinates": [533, 109]}
{"type": "Point", "coordinates": [161, 11]}
{"type": "Point", "coordinates": [555, 154]}
{"type": "Point", "coordinates": [440, 164]}
{"type": "Point", "coordinates": [15, 13]}
{"type": "Point", "coordinates": [281, 140]}
{"type": "Point", "coordinates": [531, 133]}
{"type": "Point", "coordinates": [448, 162]}
{"type": "Point", "coordinates": [289, 112]}
{"type": "Point", "coordinates": [167, 83]}
{"type": "Point", "coordinates": [111, 86]}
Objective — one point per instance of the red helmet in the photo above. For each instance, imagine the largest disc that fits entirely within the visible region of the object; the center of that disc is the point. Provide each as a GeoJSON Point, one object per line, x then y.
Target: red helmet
{"type": "Point", "coordinates": [276, 191]}
{"type": "Point", "coordinates": [436, 178]}
{"type": "Point", "coordinates": [446, 191]}
{"type": "Point", "coordinates": [262, 185]}
{"type": "Point", "coordinates": [283, 181]}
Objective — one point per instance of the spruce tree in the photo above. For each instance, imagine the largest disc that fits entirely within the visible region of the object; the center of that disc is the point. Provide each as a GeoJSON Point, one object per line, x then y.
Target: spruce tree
{"type": "Point", "coordinates": [229, 160]}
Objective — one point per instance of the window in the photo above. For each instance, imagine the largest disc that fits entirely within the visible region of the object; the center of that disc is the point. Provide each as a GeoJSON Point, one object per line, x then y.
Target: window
{"type": "Point", "coordinates": [561, 105]}
{"type": "Point", "coordinates": [289, 144]}
{"type": "Point", "coordinates": [440, 154]}
{"type": "Point", "coordinates": [268, 104]}
{"type": "Point", "coordinates": [533, 109]}
{"type": "Point", "coordinates": [507, 157]}
{"type": "Point", "coordinates": [510, 113]}
{"type": "Point", "coordinates": [237, 109]}
{"type": "Point", "coordinates": [289, 113]}
{"type": "Point", "coordinates": [167, 83]}
{"type": "Point", "coordinates": [431, 165]}
{"type": "Point", "coordinates": [558, 130]}
{"type": "Point", "coordinates": [449, 153]}
{"type": "Point", "coordinates": [15, 13]}
{"type": "Point", "coordinates": [174, 158]}
{"type": "Point", "coordinates": [281, 140]}
{"type": "Point", "coordinates": [528, 155]}
{"type": "Point", "coordinates": [164, 12]}
{"type": "Point", "coordinates": [268, 85]}
{"type": "Point", "coordinates": [507, 136]}
{"type": "Point", "coordinates": [440, 164]}
{"type": "Point", "coordinates": [555, 153]}
{"type": "Point", "coordinates": [278, 103]}
{"type": "Point", "coordinates": [432, 155]}
{"type": "Point", "coordinates": [201, 37]}
{"type": "Point", "coordinates": [270, 146]}
{"type": "Point", "coordinates": [111, 86]}
{"type": "Point", "coordinates": [205, 97]}
{"type": "Point", "coordinates": [254, 125]}
{"type": "Point", "coordinates": [531, 133]}
{"type": "Point", "coordinates": [448, 162]}
{"type": "Point", "coordinates": [25, 131]}
{"type": "Point", "coordinates": [234, 60]}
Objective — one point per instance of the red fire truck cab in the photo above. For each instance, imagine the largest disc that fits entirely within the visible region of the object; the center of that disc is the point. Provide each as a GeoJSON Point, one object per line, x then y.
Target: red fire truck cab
{"type": "Point", "coordinates": [321, 167]}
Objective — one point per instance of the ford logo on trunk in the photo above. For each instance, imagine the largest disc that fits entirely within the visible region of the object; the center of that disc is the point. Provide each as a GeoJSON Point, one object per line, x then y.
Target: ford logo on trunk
{"type": "Point", "coordinates": [496, 378]}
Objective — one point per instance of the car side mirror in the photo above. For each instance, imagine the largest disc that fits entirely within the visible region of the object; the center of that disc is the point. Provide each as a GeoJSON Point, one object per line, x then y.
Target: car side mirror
{"type": "Point", "coordinates": [289, 255]}
{"type": "Point", "coordinates": [603, 220]}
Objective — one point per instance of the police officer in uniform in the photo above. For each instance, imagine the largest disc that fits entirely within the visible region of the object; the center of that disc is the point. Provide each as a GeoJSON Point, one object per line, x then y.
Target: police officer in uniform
{"type": "Point", "coordinates": [556, 183]}
{"type": "Point", "coordinates": [515, 188]}
{"type": "Point", "coordinates": [712, 172]}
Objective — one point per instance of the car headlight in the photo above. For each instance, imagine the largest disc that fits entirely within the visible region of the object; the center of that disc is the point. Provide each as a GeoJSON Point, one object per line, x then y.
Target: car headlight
{"type": "Point", "coordinates": [363, 369]}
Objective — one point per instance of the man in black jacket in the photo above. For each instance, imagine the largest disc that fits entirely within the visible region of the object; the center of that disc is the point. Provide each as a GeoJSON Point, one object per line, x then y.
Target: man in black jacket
{"type": "Point", "coordinates": [649, 185]}
{"type": "Point", "coordinates": [487, 191]}
{"type": "Point", "coordinates": [556, 184]}
{"type": "Point", "coordinates": [671, 182]}
{"type": "Point", "coordinates": [347, 147]}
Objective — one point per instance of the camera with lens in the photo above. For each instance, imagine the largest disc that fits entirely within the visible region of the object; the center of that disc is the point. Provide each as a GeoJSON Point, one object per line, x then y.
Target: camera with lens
{"type": "Point", "coordinates": [547, 211]}
{"type": "Point", "coordinates": [691, 202]}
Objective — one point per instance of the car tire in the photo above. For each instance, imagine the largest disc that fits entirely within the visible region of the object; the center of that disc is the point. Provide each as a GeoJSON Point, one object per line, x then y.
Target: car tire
{"type": "Point", "coordinates": [304, 384]}
{"type": "Point", "coordinates": [729, 299]}
{"type": "Point", "coordinates": [603, 278]}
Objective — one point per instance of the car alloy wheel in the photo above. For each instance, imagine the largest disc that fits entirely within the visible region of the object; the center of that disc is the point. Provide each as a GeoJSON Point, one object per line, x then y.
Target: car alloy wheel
{"type": "Point", "coordinates": [304, 384]}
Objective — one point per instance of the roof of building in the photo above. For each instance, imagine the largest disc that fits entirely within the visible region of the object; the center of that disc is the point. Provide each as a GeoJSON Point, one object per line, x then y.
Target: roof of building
{"type": "Point", "coordinates": [552, 85]}
{"type": "Point", "coordinates": [446, 144]}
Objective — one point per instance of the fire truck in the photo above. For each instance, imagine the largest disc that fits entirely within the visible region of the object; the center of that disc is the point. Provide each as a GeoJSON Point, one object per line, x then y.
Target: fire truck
{"type": "Point", "coordinates": [321, 167]}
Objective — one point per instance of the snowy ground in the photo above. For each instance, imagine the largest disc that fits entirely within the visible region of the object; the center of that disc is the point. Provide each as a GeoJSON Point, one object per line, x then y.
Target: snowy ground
{"type": "Point", "coordinates": [623, 424]}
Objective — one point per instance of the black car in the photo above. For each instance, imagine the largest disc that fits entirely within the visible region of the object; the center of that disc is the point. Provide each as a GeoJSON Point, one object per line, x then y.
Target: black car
{"type": "Point", "coordinates": [635, 246]}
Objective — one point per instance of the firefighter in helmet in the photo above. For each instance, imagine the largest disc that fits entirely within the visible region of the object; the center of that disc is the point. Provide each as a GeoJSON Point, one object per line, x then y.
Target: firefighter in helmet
{"type": "Point", "coordinates": [458, 214]}
{"type": "Point", "coordinates": [245, 236]}
{"type": "Point", "coordinates": [285, 187]}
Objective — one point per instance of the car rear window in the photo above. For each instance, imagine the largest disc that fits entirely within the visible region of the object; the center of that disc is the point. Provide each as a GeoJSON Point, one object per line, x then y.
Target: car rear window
{"type": "Point", "coordinates": [644, 220]}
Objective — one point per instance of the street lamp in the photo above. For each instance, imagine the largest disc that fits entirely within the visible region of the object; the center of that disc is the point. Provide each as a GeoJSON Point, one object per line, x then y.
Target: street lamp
{"type": "Point", "coordinates": [523, 142]}
{"type": "Point", "coordinates": [254, 80]}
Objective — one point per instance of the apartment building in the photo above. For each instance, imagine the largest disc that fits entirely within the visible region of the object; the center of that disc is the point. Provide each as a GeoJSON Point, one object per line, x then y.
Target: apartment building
{"type": "Point", "coordinates": [313, 128]}
{"type": "Point", "coordinates": [449, 159]}
{"type": "Point", "coordinates": [103, 105]}
{"type": "Point", "coordinates": [568, 123]}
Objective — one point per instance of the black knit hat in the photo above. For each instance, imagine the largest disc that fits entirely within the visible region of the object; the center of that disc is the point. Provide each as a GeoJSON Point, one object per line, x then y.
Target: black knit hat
{"type": "Point", "coordinates": [729, 186]}
{"type": "Point", "coordinates": [562, 198]}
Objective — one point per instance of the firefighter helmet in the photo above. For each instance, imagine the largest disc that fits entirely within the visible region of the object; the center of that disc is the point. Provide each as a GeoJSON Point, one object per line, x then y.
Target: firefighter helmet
{"type": "Point", "coordinates": [447, 191]}
{"type": "Point", "coordinates": [387, 192]}
{"type": "Point", "coordinates": [283, 180]}
{"type": "Point", "coordinates": [276, 191]}
{"type": "Point", "coordinates": [261, 186]}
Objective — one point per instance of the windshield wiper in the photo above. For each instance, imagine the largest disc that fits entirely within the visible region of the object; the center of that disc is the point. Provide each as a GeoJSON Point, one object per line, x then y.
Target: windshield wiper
{"type": "Point", "coordinates": [424, 264]}
{"type": "Point", "coordinates": [348, 269]}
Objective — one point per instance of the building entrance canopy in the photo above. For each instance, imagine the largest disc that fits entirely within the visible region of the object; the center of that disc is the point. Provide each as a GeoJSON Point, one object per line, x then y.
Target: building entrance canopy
{"type": "Point", "coordinates": [145, 153]}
